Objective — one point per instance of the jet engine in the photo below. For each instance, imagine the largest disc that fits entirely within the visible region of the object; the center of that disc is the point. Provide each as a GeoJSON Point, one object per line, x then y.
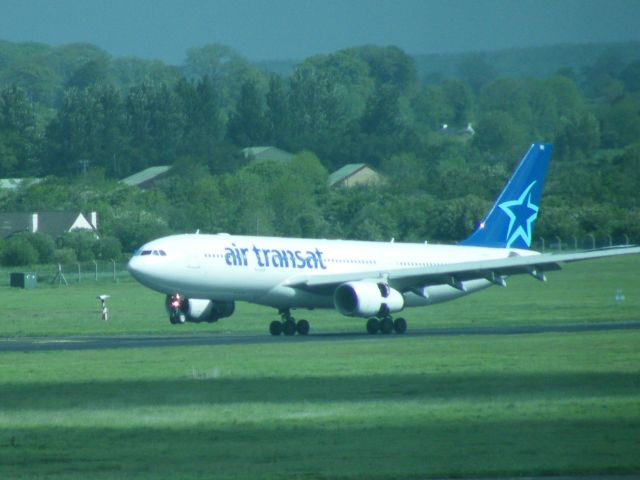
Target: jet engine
{"type": "Point", "coordinates": [201, 310]}
{"type": "Point", "coordinates": [367, 299]}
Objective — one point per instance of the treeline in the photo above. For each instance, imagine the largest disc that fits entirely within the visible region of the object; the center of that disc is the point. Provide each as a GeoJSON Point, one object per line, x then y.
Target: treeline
{"type": "Point", "coordinates": [360, 105]}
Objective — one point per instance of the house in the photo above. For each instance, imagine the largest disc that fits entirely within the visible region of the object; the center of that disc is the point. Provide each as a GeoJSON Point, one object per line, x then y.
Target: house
{"type": "Point", "coordinates": [147, 178]}
{"type": "Point", "coordinates": [462, 133]}
{"type": "Point", "coordinates": [12, 184]}
{"type": "Point", "coordinates": [264, 154]}
{"type": "Point", "coordinates": [354, 174]}
{"type": "Point", "coordinates": [54, 224]}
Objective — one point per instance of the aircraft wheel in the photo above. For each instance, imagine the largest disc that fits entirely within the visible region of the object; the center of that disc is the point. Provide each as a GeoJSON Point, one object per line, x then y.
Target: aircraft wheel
{"type": "Point", "coordinates": [400, 325]}
{"type": "Point", "coordinates": [373, 325]}
{"type": "Point", "coordinates": [177, 318]}
{"type": "Point", "coordinates": [386, 325]}
{"type": "Point", "coordinates": [289, 327]}
{"type": "Point", "coordinates": [302, 327]}
{"type": "Point", "coordinates": [275, 328]}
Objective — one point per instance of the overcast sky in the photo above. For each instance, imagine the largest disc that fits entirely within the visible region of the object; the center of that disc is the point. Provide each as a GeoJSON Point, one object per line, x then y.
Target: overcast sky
{"type": "Point", "coordinates": [296, 29]}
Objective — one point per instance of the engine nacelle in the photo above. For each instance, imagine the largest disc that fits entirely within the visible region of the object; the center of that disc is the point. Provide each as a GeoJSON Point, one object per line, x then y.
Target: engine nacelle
{"type": "Point", "coordinates": [199, 310]}
{"type": "Point", "coordinates": [367, 299]}
{"type": "Point", "coordinates": [202, 310]}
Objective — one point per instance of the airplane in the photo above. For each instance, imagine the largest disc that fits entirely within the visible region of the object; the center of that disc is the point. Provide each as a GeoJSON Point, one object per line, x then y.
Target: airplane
{"type": "Point", "coordinates": [203, 275]}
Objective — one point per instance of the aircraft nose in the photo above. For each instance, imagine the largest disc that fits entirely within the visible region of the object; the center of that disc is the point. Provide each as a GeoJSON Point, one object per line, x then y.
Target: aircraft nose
{"type": "Point", "coordinates": [135, 267]}
{"type": "Point", "coordinates": [141, 269]}
{"type": "Point", "coordinates": [149, 270]}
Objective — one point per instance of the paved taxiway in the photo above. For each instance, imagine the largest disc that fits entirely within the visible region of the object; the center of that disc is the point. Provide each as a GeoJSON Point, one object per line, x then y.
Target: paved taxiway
{"type": "Point", "coordinates": [35, 344]}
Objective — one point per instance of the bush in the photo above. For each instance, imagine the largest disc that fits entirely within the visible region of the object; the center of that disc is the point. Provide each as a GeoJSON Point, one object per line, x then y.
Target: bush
{"type": "Point", "coordinates": [43, 244]}
{"type": "Point", "coordinates": [108, 248]}
{"type": "Point", "coordinates": [17, 252]}
{"type": "Point", "coordinates": [83, 243]}
{"type": "Point", "coordinates": [64, 256]}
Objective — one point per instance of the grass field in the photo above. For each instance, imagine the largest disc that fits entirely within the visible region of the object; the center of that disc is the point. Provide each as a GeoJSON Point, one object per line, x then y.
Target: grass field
{"type": "Point", "coordinates": [382, 408]}
{"type": "Point", "coordinates": [584, 292]}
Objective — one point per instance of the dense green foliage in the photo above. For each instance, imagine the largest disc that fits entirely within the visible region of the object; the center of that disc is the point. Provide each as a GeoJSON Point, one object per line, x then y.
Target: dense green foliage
{"type": "Point", "coordinates": [84, 120]}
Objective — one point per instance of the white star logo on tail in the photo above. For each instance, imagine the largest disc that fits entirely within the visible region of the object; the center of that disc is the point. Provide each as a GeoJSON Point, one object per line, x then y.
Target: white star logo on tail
{"type": "Point", "coordinates": [521, 220]}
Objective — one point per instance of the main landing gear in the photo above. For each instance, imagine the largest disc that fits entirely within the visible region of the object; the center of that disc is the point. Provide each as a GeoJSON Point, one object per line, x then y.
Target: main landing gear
{"type": "Point", "coordinates": [386, 325]}
{"type": "Point", "coordinates": [288, 325]}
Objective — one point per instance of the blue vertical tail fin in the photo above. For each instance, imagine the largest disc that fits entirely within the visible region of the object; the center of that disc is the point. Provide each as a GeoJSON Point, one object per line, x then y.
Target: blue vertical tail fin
{"type": "Point", "coordinates": [510, 221]}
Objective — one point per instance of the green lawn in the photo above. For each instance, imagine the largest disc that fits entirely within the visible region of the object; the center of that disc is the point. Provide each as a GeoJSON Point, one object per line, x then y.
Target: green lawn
{"type": "Point", "coordinates": [583, 292]}
{"type": "Point", "coordinates": [561, 404]}
{"type": "Point", "coordinates": [382, 408]}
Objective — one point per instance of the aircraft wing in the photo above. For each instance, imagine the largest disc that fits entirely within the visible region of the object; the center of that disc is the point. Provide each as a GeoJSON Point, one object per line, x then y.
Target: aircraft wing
{"type": "Point", "coordinates": [407, 279]}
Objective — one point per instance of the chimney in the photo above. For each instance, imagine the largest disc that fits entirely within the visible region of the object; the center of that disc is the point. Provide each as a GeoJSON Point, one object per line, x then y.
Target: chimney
{"type": "Point", "coordinates": [94, 220]}
{"type": "Point", "coordinates": [34, 223]}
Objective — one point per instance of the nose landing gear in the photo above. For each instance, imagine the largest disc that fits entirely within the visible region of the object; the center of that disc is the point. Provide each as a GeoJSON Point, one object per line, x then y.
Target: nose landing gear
{"type": "Point", "coordinates": [174, 305]}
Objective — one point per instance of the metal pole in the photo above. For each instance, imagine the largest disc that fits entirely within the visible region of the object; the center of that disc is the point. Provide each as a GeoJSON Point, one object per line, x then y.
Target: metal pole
{"type": "Point", "coordinates": [96, 264]}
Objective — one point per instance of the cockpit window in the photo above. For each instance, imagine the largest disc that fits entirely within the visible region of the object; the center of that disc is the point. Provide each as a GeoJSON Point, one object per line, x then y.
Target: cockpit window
{"type": "Point", "coordinates": [157, 253]}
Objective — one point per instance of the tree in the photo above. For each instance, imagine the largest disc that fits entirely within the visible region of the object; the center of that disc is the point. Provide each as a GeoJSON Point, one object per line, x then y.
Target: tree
{"type": "Point", "coordinates": [578, 138]}
{"type": "Point", "coordinates": [225, 67]}
{"type": "Point", "coordinates": [204, 127]}
{"type": "Point", "coordinates": [499, 132]}
{"type": "Point", "coordinates": [389, 66]}
{"type": "Point", "coordinates": [315, 108]}
{"type": "Point", "coordinates": [248, 125]}
{"type": "Point", "coordinates": [476, 71]}
{"type": "Point", "coordinates": [18, 137]}
{"type": "Point", "coordinates": [621, 121]}
{"type": "Point", "coordinates": [630, 76]}
{"type": "Point", "coordinates": [88, 131]}
{"type": "Point", "coordinates": [90, 73]}
{"type": "Point", "coordinates": [382, 113]}
{"type": "Point", "coordinates": [459, 98]}
{"type": "Point", "coordinates": [156, 123]}
{"type": "Point", "coordinates": [278, 115]}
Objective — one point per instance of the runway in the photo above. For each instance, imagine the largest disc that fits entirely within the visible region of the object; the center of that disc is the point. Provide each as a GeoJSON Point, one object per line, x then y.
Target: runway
{"type": "Point", "coordinates": [38, 344]}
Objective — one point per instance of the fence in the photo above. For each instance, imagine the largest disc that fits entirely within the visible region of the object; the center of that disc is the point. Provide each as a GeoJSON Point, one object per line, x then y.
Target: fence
{"type": "Point", "coordinates": [588, 242]}
{"type": "Point", "coordinates": [72, 273]}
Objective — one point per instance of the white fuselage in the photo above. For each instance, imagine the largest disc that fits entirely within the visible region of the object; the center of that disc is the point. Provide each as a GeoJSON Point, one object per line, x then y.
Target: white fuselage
{"type": "Point", "coordinates": [260, 269]}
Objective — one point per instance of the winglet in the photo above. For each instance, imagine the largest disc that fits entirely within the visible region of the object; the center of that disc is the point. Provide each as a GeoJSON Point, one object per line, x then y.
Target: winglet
{"type": "Point", "coordinates": [510, 221]}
